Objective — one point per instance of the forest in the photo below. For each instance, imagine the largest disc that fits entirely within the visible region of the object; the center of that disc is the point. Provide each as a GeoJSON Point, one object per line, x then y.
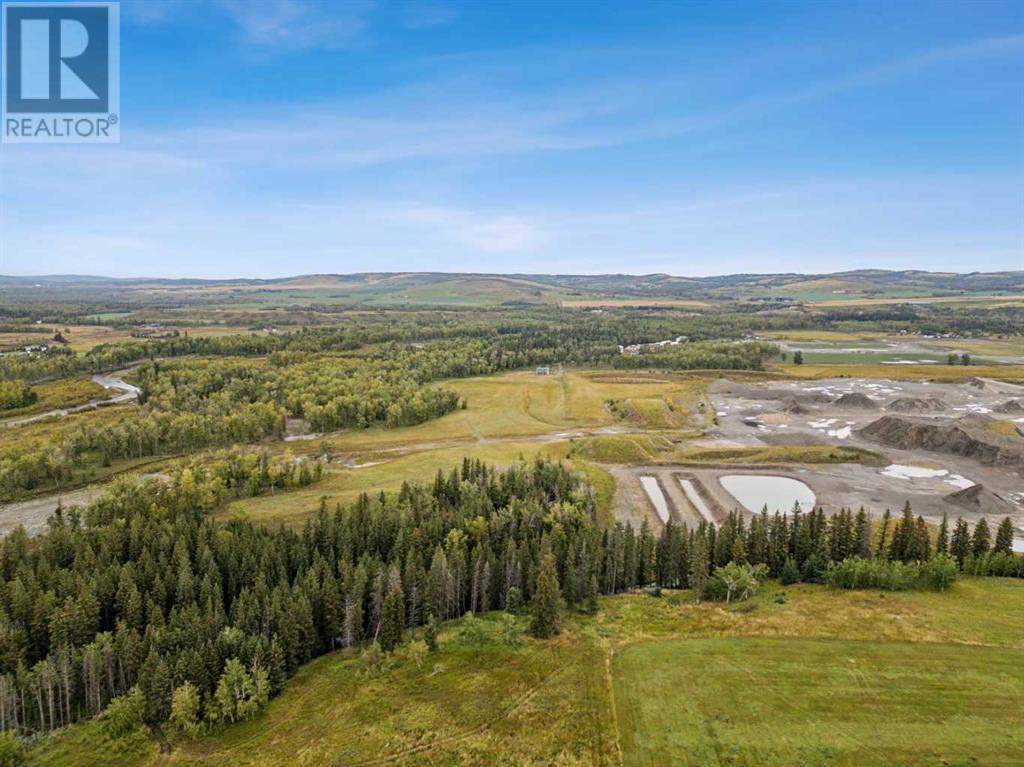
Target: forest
{"type": "Point", "coordinates": [143, 600]}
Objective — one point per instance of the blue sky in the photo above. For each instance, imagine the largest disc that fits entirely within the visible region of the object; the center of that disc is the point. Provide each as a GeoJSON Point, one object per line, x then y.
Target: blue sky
{"type": "Point", "coordinates": [295, 136]}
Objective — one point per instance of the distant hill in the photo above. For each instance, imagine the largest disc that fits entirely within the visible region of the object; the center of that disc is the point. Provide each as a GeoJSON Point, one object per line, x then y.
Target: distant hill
{"type": "Point", "coordinates": [443, 288]}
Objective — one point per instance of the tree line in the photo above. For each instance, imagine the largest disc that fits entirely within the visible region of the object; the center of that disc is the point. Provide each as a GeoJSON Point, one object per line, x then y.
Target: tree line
{"type": "Point", "coordinates": [146, 600]}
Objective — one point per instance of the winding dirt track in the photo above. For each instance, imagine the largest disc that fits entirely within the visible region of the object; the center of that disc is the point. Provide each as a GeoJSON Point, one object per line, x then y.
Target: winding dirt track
{"type": "Point", "coordinates": [128, 393]}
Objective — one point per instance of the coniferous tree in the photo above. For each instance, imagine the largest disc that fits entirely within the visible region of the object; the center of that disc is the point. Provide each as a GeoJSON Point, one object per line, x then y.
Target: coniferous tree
{"type": "Point", "coordinates": [980, 541]}
{"type": "Point", "coordinates": [155, 685]}
{"type": "Point", "coordinates": [904, 547]}
{"type": "Point", "coordinates": [942, 544]}
{"type": "Point", "coordinates": [960, 543]}
{"type": "Point", "coordinates": [790, 572]}
{"type": "Point", "coordinates": [922, 547]}
{"type": "Point", "coordinates": [883, 545]}
{"type": "Point", "coordinates": [1004, 537]}
{"type": "Point", "coordinates": [392, 618]}
{"type": "Point", "coordinates": [863, 533]}
{"type": "Point", "coordinates": [430, 632]}
{"type": "Point", "coordinates": [545, 605]}
{"type": "Point", "coordinates": [699, 565]}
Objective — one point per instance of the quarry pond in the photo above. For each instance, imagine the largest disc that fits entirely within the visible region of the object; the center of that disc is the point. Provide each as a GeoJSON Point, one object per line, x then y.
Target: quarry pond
{"type": "Point", "coordinates": [755, 491]}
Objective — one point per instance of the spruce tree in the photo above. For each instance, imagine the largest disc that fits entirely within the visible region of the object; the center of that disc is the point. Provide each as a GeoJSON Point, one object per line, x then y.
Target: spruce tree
{"type": "Point", "coordinates": [960, 543]}
{"type": "Point", "coordinates": [545, 603]}
{"type": "Point", "coordinates": [942, 544]}
{"type": "Point", "coordinates": [863, 534]}
{"type": "Point", "coordinates": [430, 632]}
{"type": "Point", "coordinates": [699, 566]}
{"type": "Point", "coordinates": [980, 541]}
{"type": "Point", "coordinates": [883, 548]}
{"type": "Point", "coordinates": [392, 614]}
{"type": "Point", "coordinates": [591, 596]}
{"type": "Point", "coordinates": [155, 684]}
{"type": "Point", "coordinates": [1004, 537]}
{"type": "Point", "coordinates": [790, 572]}
{"type": "Point", "coordinates": [922, 548]}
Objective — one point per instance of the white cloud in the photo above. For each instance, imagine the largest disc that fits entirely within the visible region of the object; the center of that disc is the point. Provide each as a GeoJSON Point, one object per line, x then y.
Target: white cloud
{"type": "Point", "coordinates": [389, 182]}
{"type": "Point", "coordinates": [488, 232]}
{"type": "Point", "coordinates": [301, 23]}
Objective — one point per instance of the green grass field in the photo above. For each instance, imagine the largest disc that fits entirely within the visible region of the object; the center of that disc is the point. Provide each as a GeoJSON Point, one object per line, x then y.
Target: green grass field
{"type": "Point", "coordinates": [859, 703]}
{"type": "Point", "coordinates": [818, 677]}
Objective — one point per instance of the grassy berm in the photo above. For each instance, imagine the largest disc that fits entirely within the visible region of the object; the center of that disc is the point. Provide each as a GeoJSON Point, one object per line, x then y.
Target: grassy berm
{"type": "Point", "coordinates": [799, 675]}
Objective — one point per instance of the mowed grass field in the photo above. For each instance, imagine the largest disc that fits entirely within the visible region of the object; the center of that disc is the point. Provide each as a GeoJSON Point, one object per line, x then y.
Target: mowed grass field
{"type": "Point", "coordinates": [769, 701]}
{"type": "Point", "coordinates": [818, 677]}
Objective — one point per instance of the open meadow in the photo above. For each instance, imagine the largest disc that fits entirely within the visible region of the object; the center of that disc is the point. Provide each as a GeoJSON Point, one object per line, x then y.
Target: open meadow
{"type": "Point", "coordinates": [796, 675]}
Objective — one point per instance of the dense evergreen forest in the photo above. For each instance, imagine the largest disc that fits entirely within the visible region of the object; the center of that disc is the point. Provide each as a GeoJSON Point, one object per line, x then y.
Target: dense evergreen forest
{"type": "Point", "coordinates": [144, 599]}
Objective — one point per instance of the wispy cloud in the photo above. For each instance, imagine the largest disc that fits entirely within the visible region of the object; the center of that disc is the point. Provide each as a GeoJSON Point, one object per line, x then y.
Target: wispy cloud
{"type": "Point", "coordinates": [451, 117]}
{"type": "Point", "coordinates": [301, 23]}
{"type": "Point", "coordinates": [420, 14]}
{"type": "Point", "coordinates": [412, 177]}
{"type": "Point", "coordinates": [480, 230]}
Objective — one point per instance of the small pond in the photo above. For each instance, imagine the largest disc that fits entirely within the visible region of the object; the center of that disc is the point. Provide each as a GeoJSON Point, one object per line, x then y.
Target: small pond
{"type": "Point", "coordinates": [694, 497]}
{"type": "Point", "coordinates": [779, 493]}
{"type": "Point", "coordinates": [653, 490]}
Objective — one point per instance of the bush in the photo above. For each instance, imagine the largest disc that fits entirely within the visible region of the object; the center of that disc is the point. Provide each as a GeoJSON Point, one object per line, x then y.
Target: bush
{"type": "Point", "coordinates": [855, 572]}
{"type": "Point", "coordinates": [417, 653]}
{"type": "Point", "coordinates": [11, 750]}
{"type": "Point", "coordinates": [185, 710]}
{"type": "Point", "coordinates": [790, 572]}
{"type": "Point", "coordinates": [474, 632]}
{"type": "Point", "coordinates": [735, 581]}
{"type": "Point", "coordinates": [939, 572]}
{"type": "Point", "coordinates": [123, 714]}
{"type": "Point", "coordinates": [430, 631]}
{"type": "Point", "coordinates": [510, 633]}
{"type": "Point", "coordinates": [514, 601]}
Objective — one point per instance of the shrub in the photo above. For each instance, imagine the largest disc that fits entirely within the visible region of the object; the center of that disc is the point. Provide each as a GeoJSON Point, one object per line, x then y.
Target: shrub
{"type": "Point", "coordinates": [790, 572]}
{"type": "Point", "coordinates": [889, 575]}
{"type": "Point", "coordinates": [11, 750]}
{"type": "Point", "coordinates": [474, 632]}
{"type": "Point", "coordinates": [735, 581]}
{"type": "Point", "coordinates": [417, 653]}
{"type": "Point", "coordinates": [430, 631]}
{"type": "Point", "coordinates": [123, 714]}
{"type": "Point", "coordinates": [939, 572]}
{"type": "Point", "coordinates": [510, 633]}
{"type": "Point", "coordinates": [185, 710]}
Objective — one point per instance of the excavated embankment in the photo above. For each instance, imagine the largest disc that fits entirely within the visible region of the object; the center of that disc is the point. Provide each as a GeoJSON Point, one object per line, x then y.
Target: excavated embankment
{"type": "Point", "coordinates": [972, 436]}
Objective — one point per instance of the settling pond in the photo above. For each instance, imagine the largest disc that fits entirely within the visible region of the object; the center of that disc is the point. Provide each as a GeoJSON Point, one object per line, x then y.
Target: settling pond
{"type": "Point", "coordinates": [754, 491]}
{"type": "Point", "coordinates": [653, 490]}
